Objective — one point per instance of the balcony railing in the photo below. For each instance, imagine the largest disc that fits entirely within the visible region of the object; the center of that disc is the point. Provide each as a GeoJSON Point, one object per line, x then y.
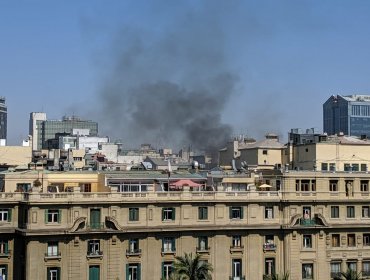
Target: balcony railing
{"type": "Point", "coordinates": [336, 275]}
{"type": "Point", "coordinates": [5, 253]}
{"type": "Point", "coordinates": [308, 222]}
{"type": "Point", "coordinates": [203, 249]}
{"type": "Point", "coordinates": [52, 256]}
{"type": "Point", "coordinates": [269, 247]}
{"type": "Point", "coordinates": [168, 252]}
{"type": "Point", "coordinates": [95, 254]}
{"type": "Point", "coordinates": [133, 252]}
{"type": "Point", "coordinates": [365, 273]}
{"type": "Point", "coordinates": [95, 226]}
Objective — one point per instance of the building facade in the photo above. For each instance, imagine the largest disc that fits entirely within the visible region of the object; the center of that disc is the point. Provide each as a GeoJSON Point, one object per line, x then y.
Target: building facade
{"type": "Point", "coordinates": [122, 225]}
{"type": "Point", "coordinates": [349, 115]}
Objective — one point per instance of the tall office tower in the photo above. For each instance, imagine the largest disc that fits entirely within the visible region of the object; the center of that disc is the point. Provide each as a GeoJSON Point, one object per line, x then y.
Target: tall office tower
{"type": "Point", "coordinates": [35, 124]}
{"type": "Point", "coordinates": [348, 114]}
{"type": "Point", "coordinates": [43, 130]}
{"type": "Point", "coordinates": [3, 118]}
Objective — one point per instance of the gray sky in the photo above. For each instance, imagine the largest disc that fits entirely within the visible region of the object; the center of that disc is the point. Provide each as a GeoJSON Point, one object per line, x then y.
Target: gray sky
{"type": "Point", "coordinates": [99, 61]}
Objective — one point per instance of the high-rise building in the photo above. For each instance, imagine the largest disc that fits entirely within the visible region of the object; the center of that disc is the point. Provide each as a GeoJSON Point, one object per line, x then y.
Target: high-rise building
{"type": "Point", "coordinates": [3, 118]}
{"type": "Point", "coordinates": [43, 130]}
{"type": "Point", "coordinates": [349, 115]}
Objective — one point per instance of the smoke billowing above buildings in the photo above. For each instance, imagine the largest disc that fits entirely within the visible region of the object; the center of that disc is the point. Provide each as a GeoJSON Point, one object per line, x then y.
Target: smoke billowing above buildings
{"type": "Point", "coordinates": [169, 86]}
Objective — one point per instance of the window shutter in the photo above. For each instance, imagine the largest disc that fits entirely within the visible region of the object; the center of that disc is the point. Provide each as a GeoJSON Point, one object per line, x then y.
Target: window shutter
{"type": "Point", "coordinates": [127, 272]}
{"type": "Point", "coordinates": [59, 215]}
{"type": "Point", "coordinates": [173, 213]}
{"type": "Point", "coordinates": [139, 271]}
{"type": "Point", "coordinates": [241, 212]}
{"type": "Point", "coordinates": [58, 273]}
{"type": "Point", "coordinates": [9, 215]}
{"type": "Point", "coordinates": [230, 212]}
{"type": "Point", "coordinates": [162, 214]}
{"type": "Point", "coordinates": [163, 270]}
{"type": "Point", "coordinates": [46, 216]}
{"type": "Point", "coordinates": [48, 273]}
{"type": "Point", "coordinates": [206, 243]}
{"type": "Point", "coordinates": [162, 244]}
{"type": "Point", "coordinates": [137, 214]}
{"type": "Point", "coordinates": [174, 244]}
{"type": "Point", "coordinates": [6, 247]}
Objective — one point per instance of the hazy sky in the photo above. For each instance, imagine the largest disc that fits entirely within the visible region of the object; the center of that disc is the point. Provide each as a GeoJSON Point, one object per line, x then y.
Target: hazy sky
{"type": "Point", "coordinates": [287, 58]}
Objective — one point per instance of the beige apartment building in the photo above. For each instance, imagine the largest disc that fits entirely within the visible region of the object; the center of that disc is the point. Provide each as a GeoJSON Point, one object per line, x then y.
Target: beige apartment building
{"type": "Point", "coordinates": [131, 225]}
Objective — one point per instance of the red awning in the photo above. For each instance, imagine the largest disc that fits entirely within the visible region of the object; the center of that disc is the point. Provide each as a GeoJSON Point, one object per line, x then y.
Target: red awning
{"type": "Point", "coordinates": [185, 182]}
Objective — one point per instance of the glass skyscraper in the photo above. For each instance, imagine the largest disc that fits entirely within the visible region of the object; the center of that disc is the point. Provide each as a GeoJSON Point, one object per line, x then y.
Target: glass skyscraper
{"type": "Point", "coordinates": [348, 114]}
{"type": "Point", "coordinates": [3, 118]}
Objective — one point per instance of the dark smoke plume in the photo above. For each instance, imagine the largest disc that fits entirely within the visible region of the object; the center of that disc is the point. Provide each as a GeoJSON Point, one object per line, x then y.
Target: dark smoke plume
{"type": "Point", "coordinates": [170, 88]}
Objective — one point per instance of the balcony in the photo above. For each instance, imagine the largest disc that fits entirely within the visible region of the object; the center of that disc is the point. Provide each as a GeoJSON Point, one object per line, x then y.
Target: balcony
{"type": "Point", "coordinates": [236, 249]}
{"type": "Point", "coordinates": [308, 222]}
{"type": "Point", "coordinates": [95, 254]}
{"type": "Point", "coordinates": [95, 226]}
{"type": "Point", "coordinates": [133, 252]}
{"type": "Point", "coordinates": [237, 278]}
{"type": "Point", "coordinates": [168, 252]}
{"type": "Point", "coordinates": [269, 247]}
{"type": "Point", "coordinates": [337, 275]}
{"type": "Point", "coordinates": [203, 250]}
{"type": "Point", "coordinates": [365, 273]}
{"type": "Point", "coordinates": [52, 256]}
{"type": "Point", "coordinates": [5, 254]}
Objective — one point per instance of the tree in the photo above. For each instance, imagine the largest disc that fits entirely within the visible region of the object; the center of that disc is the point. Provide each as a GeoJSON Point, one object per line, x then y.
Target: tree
{"type": "Point", "coordinates": [284, 276]}
{"type": "Point", "coordinates": [350, 275]}
{"type": "Point", "coordinates": [189, 268]}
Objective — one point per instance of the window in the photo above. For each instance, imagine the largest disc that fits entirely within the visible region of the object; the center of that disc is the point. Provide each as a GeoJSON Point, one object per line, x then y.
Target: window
{"type": "Point", "coordinates": [352, 265]}
{"type": "Point", "coordinates": [133, 214]}
{"type": "Point", "coordinates": [307, 271]}
{"type": "Point", "coordinates": [53, 273]}
{"type": "Point", "coordinates": [355, 167]}
{"type": "Point", "coordinates": [236, 269]}
{"type": "Point", "coordinates": [365, 211]}
{"type": "Point", "coordinates": [168, 214]}
{"type": "Point", "coordinates": [335, 240]}
{"type": "Point", "coordinates": [324, 166]}
{"type": "Point", "coordinates": [365, 268]}
{"type": "Point", "coordinates": [167, 269]}
{"type": "Point", "coordinates": [236, 241]}
{"type": "Point", "coordinates": [133, 271]}
{"type": "Point", "coordinates": [95, 219]}
{"type": "Point", "coordinates": [5, 215]}
{"type": "Point", "coordinates": [333, 185]}
{"type": "Point", "coordinates": [307, 241]}
{"type": "Point", "coordinates": [52, 216]}
{"type": "Point", "coordinates": [94, 272]}
{"type": "Point", "coordinates": [236, 213]}
{"type": "Point", "coordinates": [366, 239]}
{"type": "Point", "coordinates": [306, 212]}
{"type": "Point", "coordinates": [4, 271]}
{"type": "Point", "coordinates": [351, 240]}
{"type": "Point", "coordinates": [52, 249]}
{"type": "Point", "coordinates": [269, 212]}
{"type": "Point", "coordinates": [85, 187]}
{"type": "Point", "coordinates": [202, 243]}
{"type": "Point", "coordinates": [264, 152]}
{"type": "Point", "coordinates": [93, 247]}
{"type": "Point", "coordinates": [313, 185]}
{"type": "Point", "coordinates": [334, 212]}
{"type": "Point", "coordinates": [305, 185]}
{"type": "Point", "coordinates": [363, 167]}
{"type": "Point", "coordinates": [332, 167]}
{"type": "Point", "coordinates": [364, 186]}
{"type": "Point", "coordinates": [133, 246]}
{"type": "Point", "coordinates": [350, 211]}
{"type": "Point", "coordinates": [347, 167]}
{"type": "Point", "coordinates": [169, 245]}
{"type": "Point", "coordinates": [335, 270]}
{"type": "Point", "coordinates": [269, 266]}
{"type": "Point", "coordinates": [23, 187]}
{"type": "Point", "coordinates": [202, 213]}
